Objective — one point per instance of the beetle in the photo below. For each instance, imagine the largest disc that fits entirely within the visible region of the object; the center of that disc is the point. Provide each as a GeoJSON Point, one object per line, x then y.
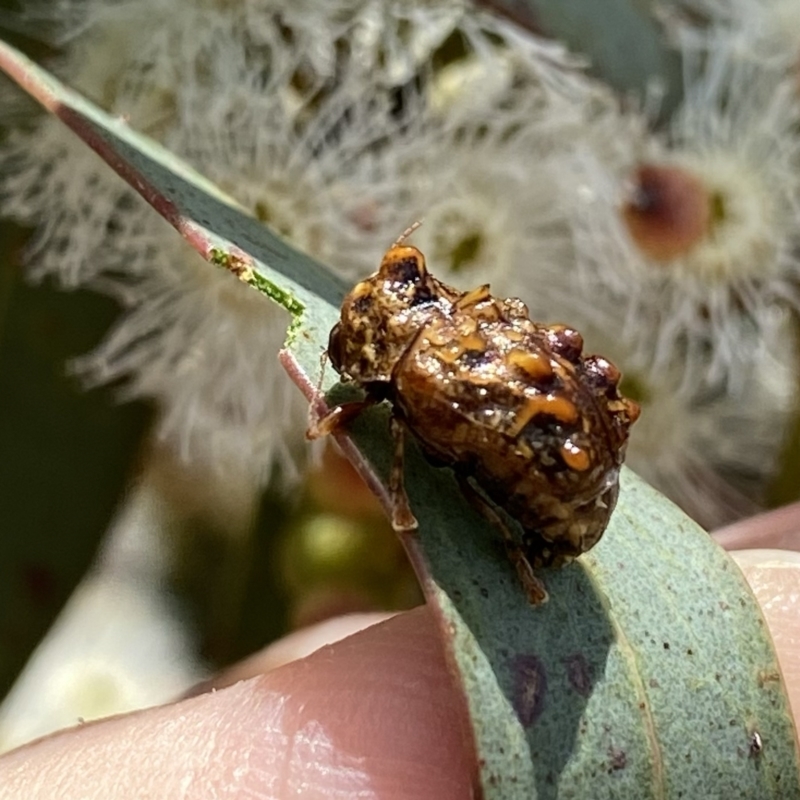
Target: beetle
{"type": "Point", "coordinates": [533, 429]}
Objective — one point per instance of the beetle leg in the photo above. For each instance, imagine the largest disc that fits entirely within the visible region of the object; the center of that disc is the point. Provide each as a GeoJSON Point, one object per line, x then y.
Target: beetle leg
{"type": "Point", "coordinates": [402, 517]}
{"type": "Point", "coordinates": [336, 418]}
{"type": "Point", "coordinates": [473, 297]}
{"type": "Point", "coordinates": [533, 586]}
{"type": "Point", "coordinates": [314, 417]}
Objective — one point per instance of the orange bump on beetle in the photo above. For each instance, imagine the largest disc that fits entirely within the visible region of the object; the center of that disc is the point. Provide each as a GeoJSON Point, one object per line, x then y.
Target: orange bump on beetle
{"type": "Point", "coordinates": [533, 429]}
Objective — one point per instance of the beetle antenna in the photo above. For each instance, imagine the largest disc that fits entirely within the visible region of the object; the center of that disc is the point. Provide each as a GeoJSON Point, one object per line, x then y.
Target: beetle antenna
{"type": "Point", "coordinates": [407, 232]}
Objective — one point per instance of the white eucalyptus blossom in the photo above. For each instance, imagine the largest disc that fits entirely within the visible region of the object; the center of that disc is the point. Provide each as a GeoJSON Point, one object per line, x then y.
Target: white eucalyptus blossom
{"type": "Point", "coordinates": [765, 33]}
{"type": "Point", "coordinates": [114, 648]}
{"type": "Point", "coordinates": [324, 120]}
{"type": "Point", "coordinates": [120, 643]}
{"type": "Point", "coordinates": [339, 124]}
{"type": "Point", "coordinates": [710, 446]}
{"type": "Point", "coordinates": [696, 233]}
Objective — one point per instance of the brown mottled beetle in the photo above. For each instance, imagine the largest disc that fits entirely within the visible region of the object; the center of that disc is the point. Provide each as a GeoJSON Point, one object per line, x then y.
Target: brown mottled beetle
{"type": "Point", "coordinates": [528, 424]}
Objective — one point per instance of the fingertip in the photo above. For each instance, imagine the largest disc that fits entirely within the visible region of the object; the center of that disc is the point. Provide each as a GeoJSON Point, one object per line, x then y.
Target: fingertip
{"type": "Point", "coordinates": [297, 644]}
{"type": "Point", "coordinates": [385, 698]}
{"type": "Point", "coordinates": [774, 577]}
{"type": "Point", "coordinates": [775, 529]}
{"type": "Point", "coordinates": [372, 715]}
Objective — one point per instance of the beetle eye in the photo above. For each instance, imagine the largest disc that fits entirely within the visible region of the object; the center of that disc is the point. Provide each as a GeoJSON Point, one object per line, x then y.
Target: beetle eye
{"type": "Point", "coordinates": [335, 347]}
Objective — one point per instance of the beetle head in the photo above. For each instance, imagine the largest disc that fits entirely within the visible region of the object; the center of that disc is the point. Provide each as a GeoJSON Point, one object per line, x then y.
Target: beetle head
{"type": "Point", "coordinates": [382, 315]}
{"type": "Point", "coordinates": [404, 278]}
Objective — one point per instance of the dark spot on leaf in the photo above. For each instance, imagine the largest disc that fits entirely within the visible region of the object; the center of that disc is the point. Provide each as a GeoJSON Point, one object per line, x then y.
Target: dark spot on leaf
{"type": "Point", "coordinates": [617, 759]}
{"type": "Point", "coordinates": [579, 674]}
{"type": "Point", "coordinates": [690, 652]}
{"type": "Point", "coordinates": [666, 645]}
{"type": "Point", "coordinates": [530, 687]}
{"type": "Point", "coordinates": [484, 591]}
{"type": "Point", "coordinates": [654, 684]}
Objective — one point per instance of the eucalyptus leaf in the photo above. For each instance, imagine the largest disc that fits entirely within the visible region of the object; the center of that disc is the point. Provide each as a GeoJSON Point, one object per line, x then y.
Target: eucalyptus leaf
{"type": "Point", "coordinates": [648, 674]}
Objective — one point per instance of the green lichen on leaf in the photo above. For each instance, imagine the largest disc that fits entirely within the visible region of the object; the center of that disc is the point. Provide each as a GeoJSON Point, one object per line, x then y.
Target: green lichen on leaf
{"type": "Point", "coordinates": [245, 272]}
